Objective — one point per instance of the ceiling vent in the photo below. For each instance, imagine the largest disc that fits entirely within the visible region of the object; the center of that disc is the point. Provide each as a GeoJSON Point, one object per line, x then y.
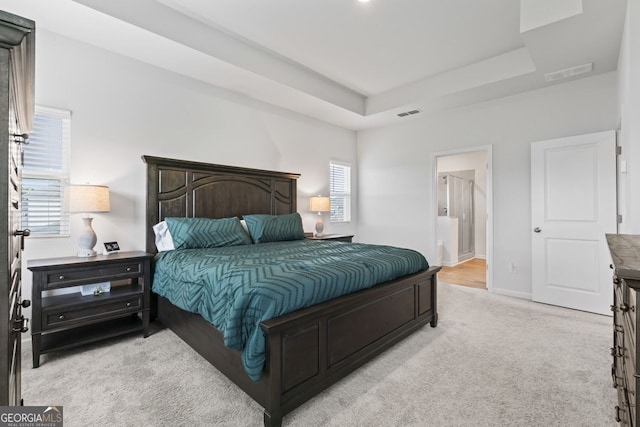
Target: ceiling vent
{"type": "Point", "coordinates": [409, 113]}
{"type": "Point", "coordinates": [568, 72]}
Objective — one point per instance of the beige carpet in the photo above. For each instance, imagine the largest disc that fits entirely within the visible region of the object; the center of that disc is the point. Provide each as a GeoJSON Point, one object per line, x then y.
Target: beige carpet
{"type": "Point", "coordinates": [492, 361]}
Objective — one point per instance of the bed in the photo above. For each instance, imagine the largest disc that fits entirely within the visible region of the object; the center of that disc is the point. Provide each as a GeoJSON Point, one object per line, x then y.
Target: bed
{"type": "Point", "coordinates": [307, 350]}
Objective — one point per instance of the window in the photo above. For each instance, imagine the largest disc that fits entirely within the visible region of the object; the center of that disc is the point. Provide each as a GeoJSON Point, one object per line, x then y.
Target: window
{"type": "Point", "coordinates": [45, 173]}
{"type": "Point", "coordinates": [340, 191]}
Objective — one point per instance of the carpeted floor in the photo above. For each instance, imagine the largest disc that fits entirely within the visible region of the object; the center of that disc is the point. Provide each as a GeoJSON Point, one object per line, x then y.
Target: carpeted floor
{"type": "Point", "coordinates": [492, 361]}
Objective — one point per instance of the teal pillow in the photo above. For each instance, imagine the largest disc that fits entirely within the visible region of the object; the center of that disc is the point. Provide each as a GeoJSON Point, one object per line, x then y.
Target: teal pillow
{"type": "Point", "coordinates": [274, 228]}
{"type": "Point", "coordinates": [193, 233]}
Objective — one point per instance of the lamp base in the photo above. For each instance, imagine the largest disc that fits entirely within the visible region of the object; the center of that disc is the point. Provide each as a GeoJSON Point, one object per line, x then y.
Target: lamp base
{"type": "Point", "coordinates": [319, 226]}
{"type": "Point", "coordinates": [86, 253]}
{"type": "Point", "coordinates": [87, 239]}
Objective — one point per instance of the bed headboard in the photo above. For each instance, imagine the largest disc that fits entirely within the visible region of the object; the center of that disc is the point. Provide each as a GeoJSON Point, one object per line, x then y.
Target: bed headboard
{"type": "Point", "coordinates": [179, 188]}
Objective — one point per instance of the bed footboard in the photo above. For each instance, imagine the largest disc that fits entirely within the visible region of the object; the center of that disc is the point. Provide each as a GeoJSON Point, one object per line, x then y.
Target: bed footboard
{"type": "Point", "coordinates": [311, 349]}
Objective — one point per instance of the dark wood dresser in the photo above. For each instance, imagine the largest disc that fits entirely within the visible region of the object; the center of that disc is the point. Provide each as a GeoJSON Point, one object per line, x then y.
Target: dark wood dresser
{"type": "Point", "coordinates": [625, 253]}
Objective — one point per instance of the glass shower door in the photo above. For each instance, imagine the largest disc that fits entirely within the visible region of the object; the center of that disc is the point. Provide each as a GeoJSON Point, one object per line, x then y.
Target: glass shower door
{"type": "Point", "coordinates": [466, 236]}
{"type": "Point", "coordinates": [455, 200]}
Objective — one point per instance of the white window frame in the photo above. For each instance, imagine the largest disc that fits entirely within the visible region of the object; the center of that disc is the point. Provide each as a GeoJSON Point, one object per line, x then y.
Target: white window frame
{"type": "Point", "coordinates": [49, 159]}
{"type": "Point", "coordinates": [341, 196]}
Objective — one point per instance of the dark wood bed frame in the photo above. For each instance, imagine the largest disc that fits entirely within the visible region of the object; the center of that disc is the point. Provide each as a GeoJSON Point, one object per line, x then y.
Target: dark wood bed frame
{"type": "Point", "coordinates": [307, 350]}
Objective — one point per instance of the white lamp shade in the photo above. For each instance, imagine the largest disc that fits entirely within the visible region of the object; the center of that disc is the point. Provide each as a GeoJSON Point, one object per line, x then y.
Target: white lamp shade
{"type": "Point", "coordinates": [89, 198]}
{"type": "Point", "coordinates": [319, 204]}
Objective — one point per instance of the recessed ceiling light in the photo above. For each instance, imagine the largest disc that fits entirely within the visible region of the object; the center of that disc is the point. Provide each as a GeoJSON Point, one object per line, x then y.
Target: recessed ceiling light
{"type": "Point", "coordinates": [364, 1]}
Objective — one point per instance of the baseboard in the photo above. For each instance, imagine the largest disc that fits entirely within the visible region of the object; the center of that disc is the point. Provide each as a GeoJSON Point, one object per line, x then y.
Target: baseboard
{"type": "Point", "coordinates": [509, 293]}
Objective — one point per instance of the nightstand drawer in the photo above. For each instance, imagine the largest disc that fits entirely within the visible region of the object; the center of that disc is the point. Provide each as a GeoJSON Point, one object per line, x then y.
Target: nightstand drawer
{"type": "Point", "coordinates": [72, 277]}
{"type": "Point", "coordinates": [59, 317]}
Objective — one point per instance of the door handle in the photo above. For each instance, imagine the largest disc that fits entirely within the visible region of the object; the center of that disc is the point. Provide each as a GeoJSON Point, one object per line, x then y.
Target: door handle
{"type": "Point", "coordinates": [22, 233]}
{"type": "Point", "coordinates": [21, 324]}
{"type": "Point", "coordinates": [21, 138]}
{"type": "Point", "coordinates": [537, 230]}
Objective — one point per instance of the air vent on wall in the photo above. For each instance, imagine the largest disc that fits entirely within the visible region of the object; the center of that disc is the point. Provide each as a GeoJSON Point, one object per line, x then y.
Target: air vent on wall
{"type": "Point", "coordinates": [568, 72]}
{"type": "Point", "coordinates": [409, 113]}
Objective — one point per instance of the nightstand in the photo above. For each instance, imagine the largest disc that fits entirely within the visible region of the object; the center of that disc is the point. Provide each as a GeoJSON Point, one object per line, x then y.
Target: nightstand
{"type": "Point", "coordinates": [338, 237]}
{"type": "Point", "coordinates": [64, 321]}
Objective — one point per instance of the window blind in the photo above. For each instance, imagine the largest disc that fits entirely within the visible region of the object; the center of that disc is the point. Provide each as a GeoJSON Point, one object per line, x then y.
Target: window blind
{"type": "Point", "coordinates": [340, 191]}
{"type": "Point", "coordinates": [45, 173]}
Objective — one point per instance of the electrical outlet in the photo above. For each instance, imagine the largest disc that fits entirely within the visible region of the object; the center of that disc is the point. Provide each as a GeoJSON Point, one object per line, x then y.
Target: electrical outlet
{"type": "Point", "coordinates": [512, 267]}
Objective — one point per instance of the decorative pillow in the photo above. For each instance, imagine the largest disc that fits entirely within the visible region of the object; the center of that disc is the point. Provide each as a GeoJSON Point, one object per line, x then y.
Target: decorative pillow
{"type": "Point", "coordinates": [243, 223]}
{"type": "Point", "coordinates": [193, 233]}
{"type": "Point", "coordinates": [274, 228]}
{"type": "Point", "coordinates": [164, 242]}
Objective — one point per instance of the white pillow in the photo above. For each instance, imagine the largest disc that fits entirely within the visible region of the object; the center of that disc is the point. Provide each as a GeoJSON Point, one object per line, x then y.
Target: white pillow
{"type": "Point", "coordinates": [164, 241]}
{"type": "Point", "coordinates": [243, 223]}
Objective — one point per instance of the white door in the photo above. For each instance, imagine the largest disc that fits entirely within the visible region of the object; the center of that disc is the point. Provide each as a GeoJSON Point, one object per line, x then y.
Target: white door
{"type": "Point", "coordinates": [573, 205]}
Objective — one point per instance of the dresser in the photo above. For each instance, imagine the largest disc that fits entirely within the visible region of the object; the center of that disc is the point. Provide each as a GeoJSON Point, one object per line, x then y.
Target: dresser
{"type": "Point", "coordinates": [17, 84]}
{"type": "Point", "coordinates": [625, 253]}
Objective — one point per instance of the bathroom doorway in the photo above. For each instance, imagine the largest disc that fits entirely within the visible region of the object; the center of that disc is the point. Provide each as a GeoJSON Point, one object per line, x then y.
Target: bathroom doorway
{"type": "Point", "coordinates": [463, 221]}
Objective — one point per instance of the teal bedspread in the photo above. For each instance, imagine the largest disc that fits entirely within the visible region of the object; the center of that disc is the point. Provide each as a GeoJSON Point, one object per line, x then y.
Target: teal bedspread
{"type": "Point", "coordinates": [237, 287]}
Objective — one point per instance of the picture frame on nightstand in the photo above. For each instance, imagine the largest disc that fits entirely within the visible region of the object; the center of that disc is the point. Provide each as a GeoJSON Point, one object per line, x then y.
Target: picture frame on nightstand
{"type": "Point", "coordinates": [111, 247]}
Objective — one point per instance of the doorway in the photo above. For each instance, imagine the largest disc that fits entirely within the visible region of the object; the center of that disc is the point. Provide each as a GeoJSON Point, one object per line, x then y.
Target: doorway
{"type": "Point", "coordinates": [462, 216]}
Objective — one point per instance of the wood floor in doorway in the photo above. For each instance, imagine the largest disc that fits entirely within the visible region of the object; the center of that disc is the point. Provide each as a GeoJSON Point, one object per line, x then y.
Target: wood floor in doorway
{"type": "Point", "coordinates": [472, 273]}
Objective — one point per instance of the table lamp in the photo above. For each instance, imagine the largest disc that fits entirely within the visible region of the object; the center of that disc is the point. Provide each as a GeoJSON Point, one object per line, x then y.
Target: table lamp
{"type": "Point", "coordinates": [88, 199]}
{"type": "Point", "coordinates": [319, 204]}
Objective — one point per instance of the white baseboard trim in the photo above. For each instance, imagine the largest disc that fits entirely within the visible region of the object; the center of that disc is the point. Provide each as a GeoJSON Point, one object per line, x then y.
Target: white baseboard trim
{"type": "Point", "coordinates": [510, 293]}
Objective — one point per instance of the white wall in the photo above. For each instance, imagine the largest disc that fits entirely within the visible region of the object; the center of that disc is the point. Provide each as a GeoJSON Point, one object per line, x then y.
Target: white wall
{"type": "Point", "coordinates": [396, 178]}
{"type": "Point", "coordinates": [476, 161]}
{"type": "Point", "coordinates": [122, 109]}
{"type": "Point", "coordinates": [629, 137]}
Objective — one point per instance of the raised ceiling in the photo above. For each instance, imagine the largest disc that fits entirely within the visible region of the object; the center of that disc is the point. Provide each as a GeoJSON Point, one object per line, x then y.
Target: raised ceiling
{"type": "Point", "coordinates": [353, 64]}
{"type": "Point", "coordinates": [370, 48]}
